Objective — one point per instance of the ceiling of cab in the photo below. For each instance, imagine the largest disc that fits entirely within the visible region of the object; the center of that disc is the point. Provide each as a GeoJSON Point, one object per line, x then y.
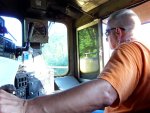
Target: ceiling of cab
{"type": "Point", "coordinates": [88, 5]}
{"type": "Point", "coordinates": [82, 11]}
{"type": "Point", "coordinates": [143, 11]}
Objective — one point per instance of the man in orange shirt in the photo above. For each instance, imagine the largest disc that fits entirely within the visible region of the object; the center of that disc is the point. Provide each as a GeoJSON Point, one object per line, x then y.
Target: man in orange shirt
{"type": "Point", "coordinates": [122, 87]}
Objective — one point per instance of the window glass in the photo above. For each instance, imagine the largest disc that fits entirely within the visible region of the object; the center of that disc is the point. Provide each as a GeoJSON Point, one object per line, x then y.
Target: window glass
{"type": "Point", "coordinates": [55, 52]}
{"type": "Point", "coordinates": [88, 41]}
{"type": "Point", "coordinates": [14, 29]}
{"type": "Point", "coordinates": [145, 34]}
{"type": "Point", "coordinates": [106, 49]}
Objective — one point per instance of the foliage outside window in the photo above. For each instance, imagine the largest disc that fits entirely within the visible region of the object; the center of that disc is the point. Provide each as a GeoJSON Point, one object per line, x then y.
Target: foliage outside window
{"type": "Point", "coordinates": [88, 40]}
{"type": "Point", "coordinates": [88, 44]}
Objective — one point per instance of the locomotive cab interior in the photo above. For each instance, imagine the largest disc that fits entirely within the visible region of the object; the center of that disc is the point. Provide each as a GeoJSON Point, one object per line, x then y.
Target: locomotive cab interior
{"type": "Point", "coordinates": [37, 19]}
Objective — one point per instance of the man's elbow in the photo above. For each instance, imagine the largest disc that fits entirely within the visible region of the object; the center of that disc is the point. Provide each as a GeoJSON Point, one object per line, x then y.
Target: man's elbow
{"type": "Point", "coordinates": [109, 99]}
{"type": "Point", "coordinates": [110, 95]}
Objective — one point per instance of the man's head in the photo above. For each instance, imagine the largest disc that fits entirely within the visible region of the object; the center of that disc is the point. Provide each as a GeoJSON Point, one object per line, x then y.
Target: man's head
{"type": "Point", "coordinates": [121, 27]}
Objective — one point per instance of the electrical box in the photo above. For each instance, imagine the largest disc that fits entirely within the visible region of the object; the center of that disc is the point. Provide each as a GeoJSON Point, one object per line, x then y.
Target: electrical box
{"type": "Point", "coordinates": [36, 5]}
{"type": "Point", "coordinates": [40, 30]}
{"type": "Point", "coordinates": [39, 4]}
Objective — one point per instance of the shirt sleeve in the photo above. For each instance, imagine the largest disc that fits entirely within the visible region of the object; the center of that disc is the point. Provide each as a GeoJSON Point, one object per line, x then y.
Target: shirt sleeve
{"type": "Point", "coordinates": [121, 71]}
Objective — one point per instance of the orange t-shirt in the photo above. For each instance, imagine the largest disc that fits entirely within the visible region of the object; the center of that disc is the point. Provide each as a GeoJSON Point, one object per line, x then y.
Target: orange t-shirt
{"type": "Point", "coordinates": [128, 71]}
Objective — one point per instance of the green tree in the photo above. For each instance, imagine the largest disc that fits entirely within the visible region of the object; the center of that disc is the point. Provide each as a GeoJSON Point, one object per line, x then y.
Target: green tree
{"type": "Point", "coordinates": [88, 41]}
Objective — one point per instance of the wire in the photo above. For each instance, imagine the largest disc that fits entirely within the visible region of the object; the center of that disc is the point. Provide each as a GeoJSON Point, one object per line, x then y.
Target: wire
{"type": "Point", "coordinates": [12, 36]}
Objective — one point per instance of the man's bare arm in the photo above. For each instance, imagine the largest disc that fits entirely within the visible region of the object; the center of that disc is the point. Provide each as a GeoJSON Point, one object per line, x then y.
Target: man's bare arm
{"type": "Point", "coordinates": [85, 98]}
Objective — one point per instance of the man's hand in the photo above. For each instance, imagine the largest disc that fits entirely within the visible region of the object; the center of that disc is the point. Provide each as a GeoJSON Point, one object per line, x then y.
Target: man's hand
{"type": "Point", "coordinates": [10, 103]}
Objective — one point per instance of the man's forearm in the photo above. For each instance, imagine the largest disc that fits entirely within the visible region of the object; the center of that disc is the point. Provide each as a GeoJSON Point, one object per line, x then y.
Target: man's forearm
{"type": "Point", "coordinates": [86, 98]}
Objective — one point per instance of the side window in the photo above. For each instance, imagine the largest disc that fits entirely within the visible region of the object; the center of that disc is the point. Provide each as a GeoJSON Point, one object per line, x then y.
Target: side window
{"type": "Point", "coordinates": [14, 29]}
{"type": "Point", "coordinates": [145, 34]}
{"type": "Point", "coordinates": [55, 52]}
{"type": "Point", "coordinates": [106, 49]}
{"type": "Point", "coordinates": [89, 47]}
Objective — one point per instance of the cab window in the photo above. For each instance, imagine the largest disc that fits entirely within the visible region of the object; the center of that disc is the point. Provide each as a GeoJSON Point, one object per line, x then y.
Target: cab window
{"type": "Point", "coordinates": [55, 52]}
{"type": "Point", "coordinates": [90, 50]}
{"type": "Point", "coordinates": [14, 28]}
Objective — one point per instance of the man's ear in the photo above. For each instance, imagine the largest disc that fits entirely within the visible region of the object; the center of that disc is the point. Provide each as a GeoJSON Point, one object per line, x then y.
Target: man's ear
{"type": "Point", "coordinates": [118, 32]}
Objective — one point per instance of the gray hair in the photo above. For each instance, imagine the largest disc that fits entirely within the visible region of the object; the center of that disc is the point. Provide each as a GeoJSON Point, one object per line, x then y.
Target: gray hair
{"type": "Point", "coordinates": [124, 18]}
